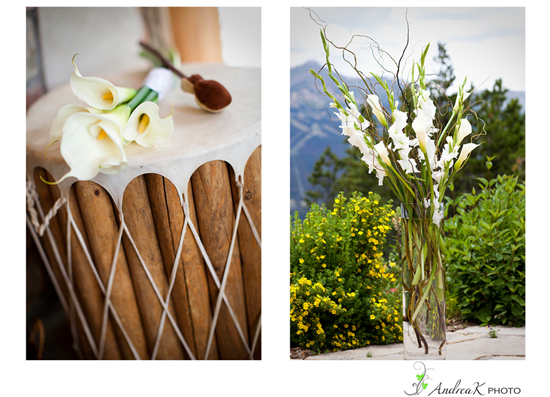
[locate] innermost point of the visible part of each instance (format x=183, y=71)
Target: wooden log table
x=163, y=260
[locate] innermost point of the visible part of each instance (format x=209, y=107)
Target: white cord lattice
x=73, y=308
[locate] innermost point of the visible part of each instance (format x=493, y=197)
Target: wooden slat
x=102, y=228
x=139, y=219
x=251, y=253
x=216, y=218
x=159, y=206
x=90, y=295
x=194, y=269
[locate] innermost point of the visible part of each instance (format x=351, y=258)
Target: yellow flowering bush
x=341, y=290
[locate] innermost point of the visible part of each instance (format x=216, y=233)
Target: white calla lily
x=374, y=103
x=466, y=149
x=56, y=129
x=97, y=92
x=464, y=130
x=92, y=143
x=146, y=128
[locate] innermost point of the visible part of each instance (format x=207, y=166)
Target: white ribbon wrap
x=159, y=80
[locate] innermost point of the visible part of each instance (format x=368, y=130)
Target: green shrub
x=340, y=294
x=486, y=252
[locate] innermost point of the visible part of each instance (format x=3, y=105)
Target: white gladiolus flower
x=466, y=149
x=400, y=119
x=425, y=104
x=430, y=152
x=464, y=130
x=92, y=143
x=438, y=214
x=437, y=175
x=408, y=165
x=358, y=140
x=421, y=125
x=346, y=124
x=374, y=103
x=396, y=133
x=97, y=92
x=382, y=152
x=402, y=143
x=353, y=128
x=371, y=160
x=146, y=128
x=448, y=155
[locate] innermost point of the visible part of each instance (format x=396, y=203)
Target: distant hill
x=313, y=127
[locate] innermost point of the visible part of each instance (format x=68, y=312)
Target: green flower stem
x=402, y=180
x=338, y=105
x=445, y=129
x=327, y=53
x=428, y=168
x=152, y=96
x=139, y=98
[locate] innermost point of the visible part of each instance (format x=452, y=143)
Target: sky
x=484, y=43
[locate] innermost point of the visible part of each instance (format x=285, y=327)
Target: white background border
x=275, y=374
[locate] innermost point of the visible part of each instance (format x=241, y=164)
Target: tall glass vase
x=424, y=331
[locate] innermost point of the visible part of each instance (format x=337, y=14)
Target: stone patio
x=470, y=343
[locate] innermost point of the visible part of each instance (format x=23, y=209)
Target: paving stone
x=471, y=343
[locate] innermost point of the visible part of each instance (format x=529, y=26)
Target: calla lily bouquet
x=93, y=138
x=418, y=161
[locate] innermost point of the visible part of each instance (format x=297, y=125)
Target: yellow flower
x=372, y=316
x=301, y=260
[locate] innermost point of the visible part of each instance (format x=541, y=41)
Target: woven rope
x=32, y=199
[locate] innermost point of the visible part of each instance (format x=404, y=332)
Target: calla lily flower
x=146, y=128
x=374, y=103
x=464, y=130
x=466, y=149
x=382, y=152
x=421, y=125
x=92, y=143
x=56, y=129
x=97, y=92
